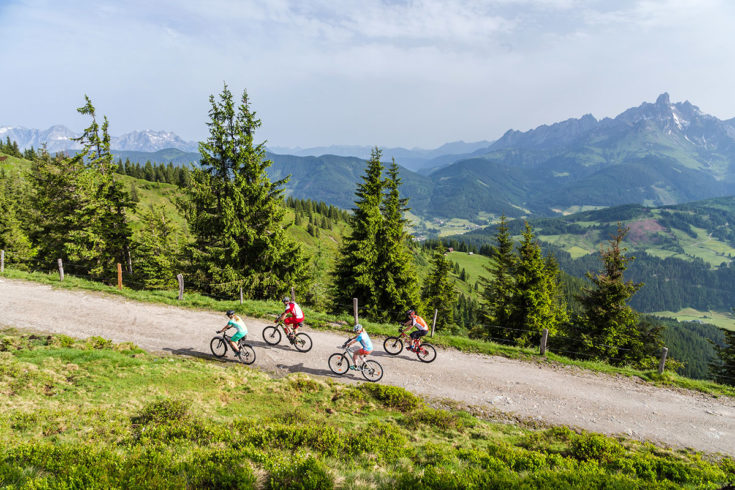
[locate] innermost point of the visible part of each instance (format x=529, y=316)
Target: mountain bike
x=394, y=346
x=272, y=335
x=340, y=363
x=221, y=343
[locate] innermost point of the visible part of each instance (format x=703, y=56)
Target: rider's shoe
x=354, y=368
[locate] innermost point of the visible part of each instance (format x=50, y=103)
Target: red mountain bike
x=394, y=346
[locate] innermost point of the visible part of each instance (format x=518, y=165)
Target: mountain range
x=655, y=154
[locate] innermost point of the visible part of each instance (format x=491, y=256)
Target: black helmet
x=230, y=312
x=408, y=313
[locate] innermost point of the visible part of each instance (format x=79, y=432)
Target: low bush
x=437, y=418
x=392, y=396
x=304, y=475
x=163, y=411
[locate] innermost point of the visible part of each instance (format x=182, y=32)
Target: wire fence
x=548, y=342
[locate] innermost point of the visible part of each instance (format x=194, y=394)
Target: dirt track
x=568, y=396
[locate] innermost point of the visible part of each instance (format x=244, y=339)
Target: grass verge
x=338, y=323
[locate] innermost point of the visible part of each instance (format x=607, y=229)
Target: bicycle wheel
x=339, y=364
x=302, y=342
x=372, y=370
x=426, y=353
x=393, y=345
x=218, y=346
x=247, y=354
x=271, y=335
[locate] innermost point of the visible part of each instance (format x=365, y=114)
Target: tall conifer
x=354, y=275
x=396, y=283
x=235, y=212
x=439, y=292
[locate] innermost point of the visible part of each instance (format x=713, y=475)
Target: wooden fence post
x=354, y=307
x=662, y=364
x=180, y=278
x=241, y=294
x=119, y=276
x=2, y=261
x=433, y=324
x=293, y=295
x=61, y=270
x=544, y=338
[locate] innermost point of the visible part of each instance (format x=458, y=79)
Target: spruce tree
x=81, y=209
x=354, y=275
x=439, y=292
x=15, y=220
x=499, y=289
x=723, y=368
x=536, y=302
x=235, y=212
x=396, y=283
x=607, y=328
x=157, y=249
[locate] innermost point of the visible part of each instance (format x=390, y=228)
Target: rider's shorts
x=293, y=321
x=417, y=334
x=237, y=336
x=363, y=352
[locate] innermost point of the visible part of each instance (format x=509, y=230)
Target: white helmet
x=357, y=328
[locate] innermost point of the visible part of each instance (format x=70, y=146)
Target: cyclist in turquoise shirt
x=366, y=345
x=237, y=323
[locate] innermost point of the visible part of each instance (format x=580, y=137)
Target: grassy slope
x=92, y=414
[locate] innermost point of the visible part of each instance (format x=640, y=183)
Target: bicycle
x=340, y=363
x=221, y=343
x=394, y=346
x=272, y=336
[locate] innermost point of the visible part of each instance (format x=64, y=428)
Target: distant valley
x=656, y=154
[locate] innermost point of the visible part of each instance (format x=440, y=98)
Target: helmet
x=230, y=312
x=286, y=299
x=410, y=312
x=357, y=328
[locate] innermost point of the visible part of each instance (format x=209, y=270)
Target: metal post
x=354, y=306
x=61, y=270
x=662, y=364
x=544, y=338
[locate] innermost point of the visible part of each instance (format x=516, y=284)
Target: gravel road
x=554, y=395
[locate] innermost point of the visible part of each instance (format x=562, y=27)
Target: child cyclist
x=421, y=328
x=365, y=348
x=235, y=322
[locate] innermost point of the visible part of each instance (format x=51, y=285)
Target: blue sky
x=367, y=72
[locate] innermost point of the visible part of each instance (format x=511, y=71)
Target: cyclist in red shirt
x=421, y=328
x=297, y=316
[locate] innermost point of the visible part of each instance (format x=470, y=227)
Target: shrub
x=163, y=411
x=441, y=419
x=307, y=474
x=393, y=396
x=594, y=447
x=98, y=342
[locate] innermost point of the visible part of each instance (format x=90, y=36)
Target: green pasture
x=721, y=319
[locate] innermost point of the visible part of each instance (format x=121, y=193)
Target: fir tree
x=396, y=284
x=536, y=301
x=81, y=209
x=235, y=212
x=607, y=328
x=157, y=248
x=354, y=275
x=439, y=292
x=499, y=289
x=15, y=221
x=723, y=368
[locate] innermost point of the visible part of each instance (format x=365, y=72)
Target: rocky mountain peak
x=663, y=99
